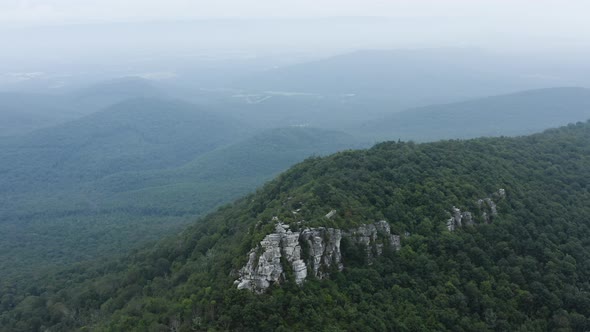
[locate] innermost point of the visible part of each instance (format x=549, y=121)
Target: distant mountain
x=342, y=91
x=488, y=234
x=136, y=135
x=411, y=77
x=106, y=93
x=513, y=114
x=22, y=112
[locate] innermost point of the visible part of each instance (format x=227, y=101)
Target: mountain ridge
x=518, y=113
x=526, y=269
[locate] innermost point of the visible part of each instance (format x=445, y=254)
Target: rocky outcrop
x=321, y=245
x=458, y=219
x=367, y=235
x=324, y=249
x=330, y=214
x=265, y=267
x=487, y=208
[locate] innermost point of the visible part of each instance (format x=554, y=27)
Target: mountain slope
x=527, y=268
x=50, y=212
x=22, y=113
x=513, y=114
x=108, y=216
x=139, y=134
x=219, y=176
x=106, y=93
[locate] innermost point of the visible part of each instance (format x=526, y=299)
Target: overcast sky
x=545, y=14
x=522, y=26
x=535, y=19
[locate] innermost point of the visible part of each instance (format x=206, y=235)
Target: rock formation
x=487, y=208
x=367, y=235
x=265, y=262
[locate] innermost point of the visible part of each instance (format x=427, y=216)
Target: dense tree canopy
x=528, y=270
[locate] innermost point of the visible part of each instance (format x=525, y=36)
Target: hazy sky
x=522, y=26
x=544, y=14
x=562, y=22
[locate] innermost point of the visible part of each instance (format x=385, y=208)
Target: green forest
x=527, y=270
x=130, y=175
x=109, y=178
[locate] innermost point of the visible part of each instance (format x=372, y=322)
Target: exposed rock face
x=487, y=208
x=468, y=218
x=458, y=219
x=455, y=220
x=367, y=235
x=330, y=214
x=490, y=206
x=324, y=249
x=265, y=267
x=259, y=272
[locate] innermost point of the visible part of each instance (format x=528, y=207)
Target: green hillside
x=139, y=134
x=50, y=212
x=24, y=112
x=61, y=224
x=525, y=269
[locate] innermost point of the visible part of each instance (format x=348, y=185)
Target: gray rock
x=368, y=236
x=467, y=218
x=492, y=206
x=456, y=219
x=331, y=214
x=487, y=208
x=265, y=268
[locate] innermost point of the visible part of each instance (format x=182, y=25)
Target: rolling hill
x=486, y=234
x=512, y=114
x=24, y=112
x=106, y=93
x=66, y=222
x=342, y=91
x=46, y=191
x=140, y=134
x=410, y=78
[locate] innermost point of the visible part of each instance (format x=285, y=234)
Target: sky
x=545, y=14
x=561, y=22
x=39, y=35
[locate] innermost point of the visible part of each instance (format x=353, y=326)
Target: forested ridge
x=58, y=205
x=117, y=177
x=528, y=270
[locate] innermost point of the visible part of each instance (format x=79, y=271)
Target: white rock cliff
x=265, y=262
